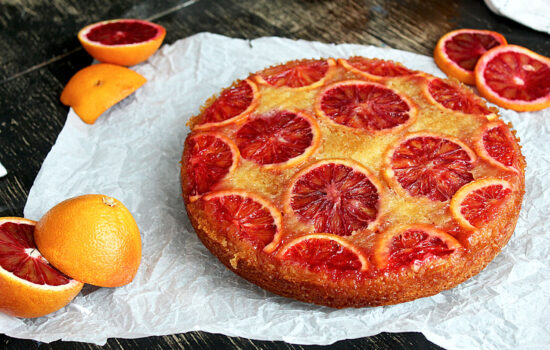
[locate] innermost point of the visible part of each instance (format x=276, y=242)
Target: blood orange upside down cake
x=351, y=182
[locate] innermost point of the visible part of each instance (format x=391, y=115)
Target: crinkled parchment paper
x=133, y=153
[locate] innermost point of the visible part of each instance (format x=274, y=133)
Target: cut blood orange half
x=514, y=77
x=495, y=143
x=478, y=203
x=413, y=246
x=454, y=97
x=323, y=252
x=245, y=216
x=29, y=285
x=278, y=139
x=233, y=104
x=365, y=106
x=457, y=52
x=122, y=41
x=336, y=196
x=301, y=74
x=374, y=68
x=429, y=165
x=208, y=158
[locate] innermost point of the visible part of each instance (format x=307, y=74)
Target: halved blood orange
x=300, y=74
x=122, y=41
x=495, y=143
x=323, y=252
x=336, y=196
x=29, y=285
x=514, y=77
x=457, y=52
x=233, y=104
x=374, y=68
x=413, y=246
x=279, y=138
x=478, y=202
x=429, y=165
x=246, y=216
x=208, y=158
x=365, y=106
x=452, y=96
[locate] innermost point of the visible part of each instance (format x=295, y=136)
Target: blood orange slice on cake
x=245, y=216
x=429, y=165
x=365, y=106
x=208, y=158
x=233, y=104
x=301, y=74
x=324, y=252
x=454, y=97
x=514, y=77
x=495, y=143
x=478, y=203
x=336, y=196
x=29, y=285
x=457, y=52
x=413, y=246
x=375, y=69
x=278, y=139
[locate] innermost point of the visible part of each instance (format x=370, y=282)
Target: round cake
x=351, y=182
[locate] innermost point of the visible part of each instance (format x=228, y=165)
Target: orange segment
x=301, y=74
x=495, y=143
x=457, y=52
x=125, y=42
x=323, y=252
x=29, y=285
x=452, y=96
x=477, y=203
x=413, y=246
x=94, y=89
x=514, y=77
x=278, y=139
x=245, y=216
x=92, y=238
x=374, y=68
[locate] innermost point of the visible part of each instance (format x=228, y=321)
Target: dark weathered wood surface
x=40, y=52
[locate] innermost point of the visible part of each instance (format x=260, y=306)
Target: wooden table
x=40, y=52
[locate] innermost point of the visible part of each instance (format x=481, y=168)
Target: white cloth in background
x=3, y=171
x=534, y=14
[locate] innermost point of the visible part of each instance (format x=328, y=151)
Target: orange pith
x=458, y=51
x=375, y=69
x=301, y=74
x=125, y=42
x=495, y=143
x=29, y=285
x=96, y=88
x=92, y=238
x=477, y=203
x=514, y=77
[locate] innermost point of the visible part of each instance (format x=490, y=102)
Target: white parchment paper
x=133, y=153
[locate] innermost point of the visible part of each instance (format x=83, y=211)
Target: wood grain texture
x=40, y=52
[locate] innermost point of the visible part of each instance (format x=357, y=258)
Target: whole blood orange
x=457, y=52
x=125, y=42
x=96, y=88
x=92, y=238
x=29, y=285
x=514, y=77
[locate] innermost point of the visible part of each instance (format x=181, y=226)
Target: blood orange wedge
x=478, y=202
x=301, y=74
x=457, y=52
x=514, y=77
x=245, y=216
x=233, y=104
x=454, y=97
x=29, y=285
x=336, y=196
x=413, y=246
x=122, y=41
x=322, y=252
x=375, y=69
x=278, y=139
x=495, y=143
x=365, y=106
x=207, y=159
x=430, y=165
